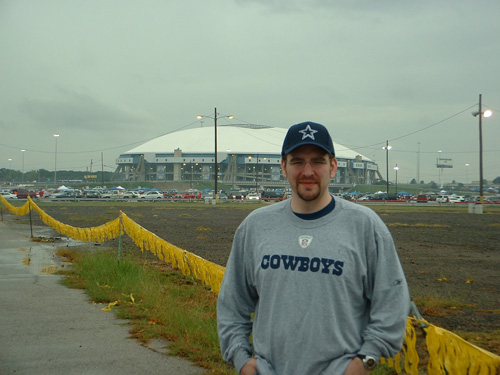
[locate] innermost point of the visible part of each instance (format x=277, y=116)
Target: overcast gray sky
x=109, y=75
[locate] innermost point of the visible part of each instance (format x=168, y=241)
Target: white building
x=246, y=155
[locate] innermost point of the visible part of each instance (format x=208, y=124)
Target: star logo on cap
x=308, y=133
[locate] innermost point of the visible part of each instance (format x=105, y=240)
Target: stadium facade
x=247, y=155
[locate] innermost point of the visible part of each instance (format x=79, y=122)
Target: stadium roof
x=235, y=139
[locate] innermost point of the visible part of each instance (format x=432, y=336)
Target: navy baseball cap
x=307, y=133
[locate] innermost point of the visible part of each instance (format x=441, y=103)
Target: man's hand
x=356, y=367
x=250, y=367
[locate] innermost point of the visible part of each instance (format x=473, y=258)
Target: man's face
x=308, y=170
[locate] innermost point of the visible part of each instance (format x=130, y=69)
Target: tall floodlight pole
x=396, y=168
x=22, y=169
x=55, y=160
x=10, y=170
x=216, y=172
x=387, y=148
x=216, y=165
x=481, y=114
x=418, y=164
x=440, y=170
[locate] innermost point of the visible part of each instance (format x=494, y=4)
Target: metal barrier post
x=120, y=240
x=31, y=222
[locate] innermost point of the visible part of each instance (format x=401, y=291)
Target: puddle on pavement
x=41, y=260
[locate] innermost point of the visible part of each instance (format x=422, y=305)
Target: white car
x=443, y=199
x=152, y=195
x=456, y=198
x=252, y=197
x=9, y=196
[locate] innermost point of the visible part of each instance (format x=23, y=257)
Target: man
x=321, y=276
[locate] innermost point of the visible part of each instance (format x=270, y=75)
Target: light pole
x=418, y=164
x=10, y=169
x=216, y=172
x=396, y=168
x=440, y=170
x=256, y=169
x=467, y=173
x=387, y=148
x=481, y=114
x=55, y=160
x=22, y=169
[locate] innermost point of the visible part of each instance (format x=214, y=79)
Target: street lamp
x=256, y=169
x=481, y=114
x=55, y=160
x=22, y=169
x=467, y=173
x=387, y=148
x=440, y=170
x=396, y=168
x=216, y=172
x=10, y=169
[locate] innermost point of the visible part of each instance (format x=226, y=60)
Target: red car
x=23, y=194
x=184, y=195
x=422, y=198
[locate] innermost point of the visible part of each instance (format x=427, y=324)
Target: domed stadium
x=247, y=155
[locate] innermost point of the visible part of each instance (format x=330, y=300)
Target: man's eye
x=302, y=163
x=319, y=162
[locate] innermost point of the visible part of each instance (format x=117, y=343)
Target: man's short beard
x=309, y=195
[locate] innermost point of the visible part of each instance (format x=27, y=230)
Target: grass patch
x=158, y=302
x=417, y=225
x=434, y=305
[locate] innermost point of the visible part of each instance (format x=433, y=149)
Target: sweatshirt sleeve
x=236, y=302
x=389, y=298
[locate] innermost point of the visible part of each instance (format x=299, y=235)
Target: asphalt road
x=47, y=328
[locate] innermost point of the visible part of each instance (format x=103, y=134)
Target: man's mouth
x=307, y=183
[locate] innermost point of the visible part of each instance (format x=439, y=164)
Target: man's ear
x=333, y=167
x=283, y=168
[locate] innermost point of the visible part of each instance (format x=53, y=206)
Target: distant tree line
x=45, y=176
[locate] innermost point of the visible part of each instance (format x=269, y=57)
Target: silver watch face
x=369, y=362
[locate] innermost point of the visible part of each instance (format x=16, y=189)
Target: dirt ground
x=449, y=256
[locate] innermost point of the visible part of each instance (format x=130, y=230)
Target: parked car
x=422, y=198
x=112, y=194
x=91, y=194
x=443, y=199
x=185, y=195
x=253, y=197
x=130, y=195
x=272, y=196
x=9, y=195
x=23, y=194
x=170, y=193
x=152, y=195
x=456, y=199
x=67, y=194
x=235, y=195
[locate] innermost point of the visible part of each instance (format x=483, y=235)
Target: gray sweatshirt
x=322, y=291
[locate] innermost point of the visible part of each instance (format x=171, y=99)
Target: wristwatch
x=368, y=361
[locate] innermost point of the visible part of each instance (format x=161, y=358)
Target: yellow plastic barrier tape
x=450, y=354
x=20, y=211
x=100, y=233
x=190, y=264
x=411, y=358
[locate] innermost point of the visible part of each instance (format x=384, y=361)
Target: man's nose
x=308, y=169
